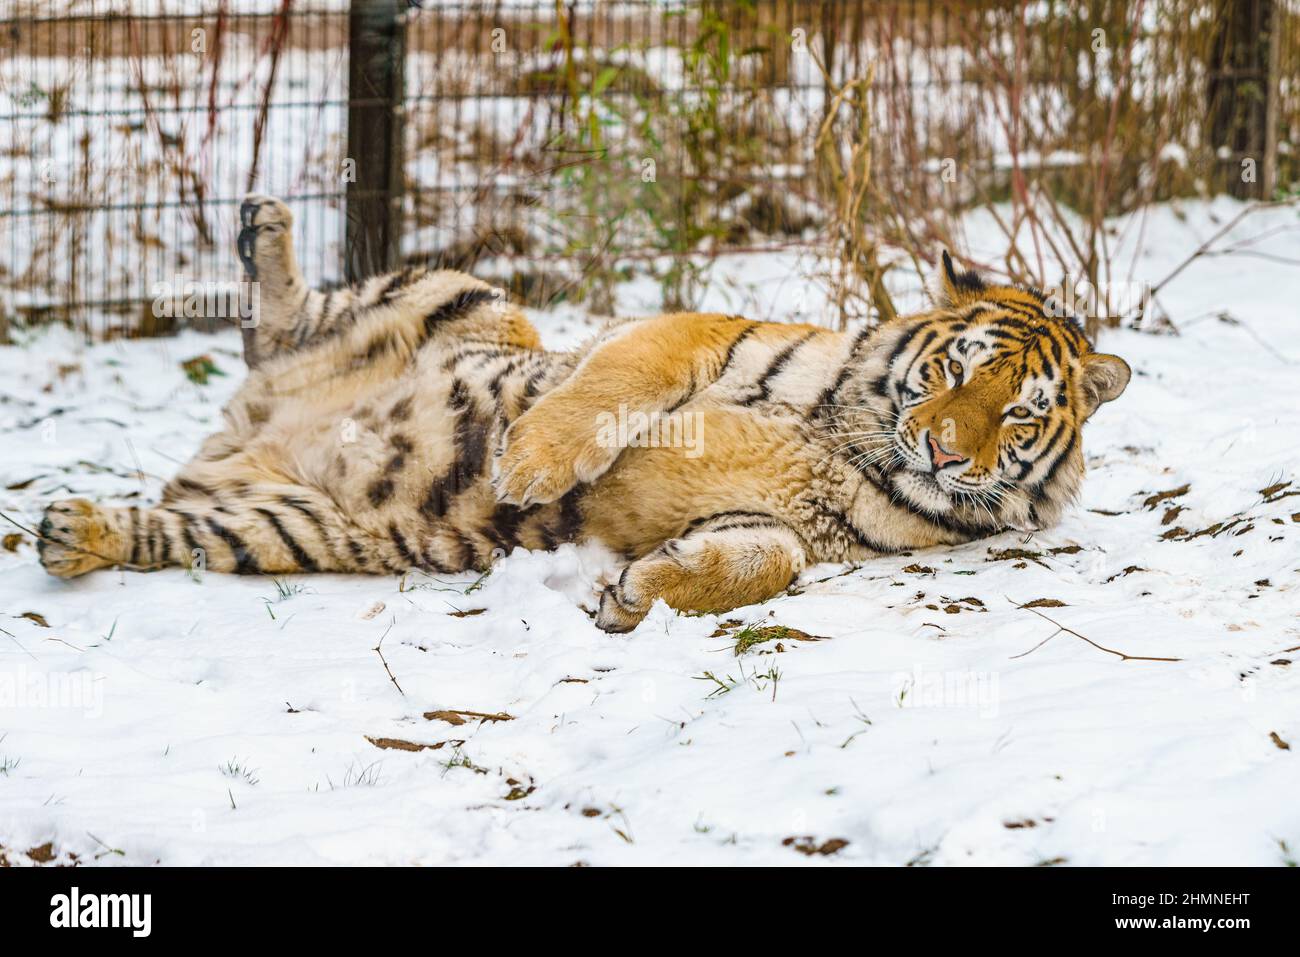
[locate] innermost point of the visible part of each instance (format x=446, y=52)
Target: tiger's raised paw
x=77, y=537
x=266, y=224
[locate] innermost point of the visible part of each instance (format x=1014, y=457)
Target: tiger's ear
x=1104, y=378
x=956, y=287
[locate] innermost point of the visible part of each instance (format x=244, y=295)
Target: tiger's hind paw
x=76, y=537
x=266, y=228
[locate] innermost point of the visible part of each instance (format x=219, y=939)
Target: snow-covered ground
x=156, y=718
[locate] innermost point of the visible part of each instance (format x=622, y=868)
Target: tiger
x=414, y=421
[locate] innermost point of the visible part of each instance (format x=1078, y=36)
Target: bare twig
x=1204, y=248
x=1070, y=631
x=379, y=650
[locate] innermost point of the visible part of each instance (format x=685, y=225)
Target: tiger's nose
x=939, y=456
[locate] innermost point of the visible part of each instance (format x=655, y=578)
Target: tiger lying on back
x=414, y=421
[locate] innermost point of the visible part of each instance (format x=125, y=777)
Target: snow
x=226, y=720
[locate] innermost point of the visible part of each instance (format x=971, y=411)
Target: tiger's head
x=983, y=402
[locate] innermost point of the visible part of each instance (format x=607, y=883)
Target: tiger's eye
x=1019, y=412
x=954, y=367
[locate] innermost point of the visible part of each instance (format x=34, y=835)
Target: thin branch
x=379, y=650
x=1070, y=631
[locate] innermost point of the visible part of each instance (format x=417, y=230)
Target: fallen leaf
x=36, y=617
x=1277, y=739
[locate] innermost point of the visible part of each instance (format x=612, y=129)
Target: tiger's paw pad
x=266, y=223
x=75, y=538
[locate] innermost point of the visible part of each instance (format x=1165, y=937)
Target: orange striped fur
x=414, y=421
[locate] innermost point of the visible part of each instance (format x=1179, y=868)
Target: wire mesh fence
x=560, y=147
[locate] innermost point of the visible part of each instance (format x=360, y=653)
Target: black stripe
x=245, y=563
x=503, y=531
x=358, y=553
x=925, y=344
x=400, y=541
x=753, y=523
x=1051, y=472
x=859, y=536
x=135, y=536
x=166, y=556
x=774, y=369
x=151, y=523
x=193, y=487
x=695, y=524
x=456, y=307
x=305, y=510
x=190, y=541
x=379, y=491
x=570, y=516
x=1051, y=443
x=305, y=561
x=903, y=342
x=396, y=283
x=731, y=349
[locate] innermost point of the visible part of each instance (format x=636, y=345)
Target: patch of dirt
x=463, y=717
x=1152, y=501
x=954, y=606
x=808, y=845
x=397, y=744
x=1127, y=571
x=1015, y=555
x=1278, y=491
x=748, y=637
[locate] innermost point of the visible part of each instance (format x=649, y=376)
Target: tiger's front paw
x=615, y=617
x=77, y=537
x=545, y=453
x=627, y=601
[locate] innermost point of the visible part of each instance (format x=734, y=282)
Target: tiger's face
x=988, y=395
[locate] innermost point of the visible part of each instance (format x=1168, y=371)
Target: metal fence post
x=1242, y=93
x=376, y=92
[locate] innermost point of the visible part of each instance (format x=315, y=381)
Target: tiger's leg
x=722, y=563
x=643, y=368
x=265, y=248
x=262, y=529
x=404, y=307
